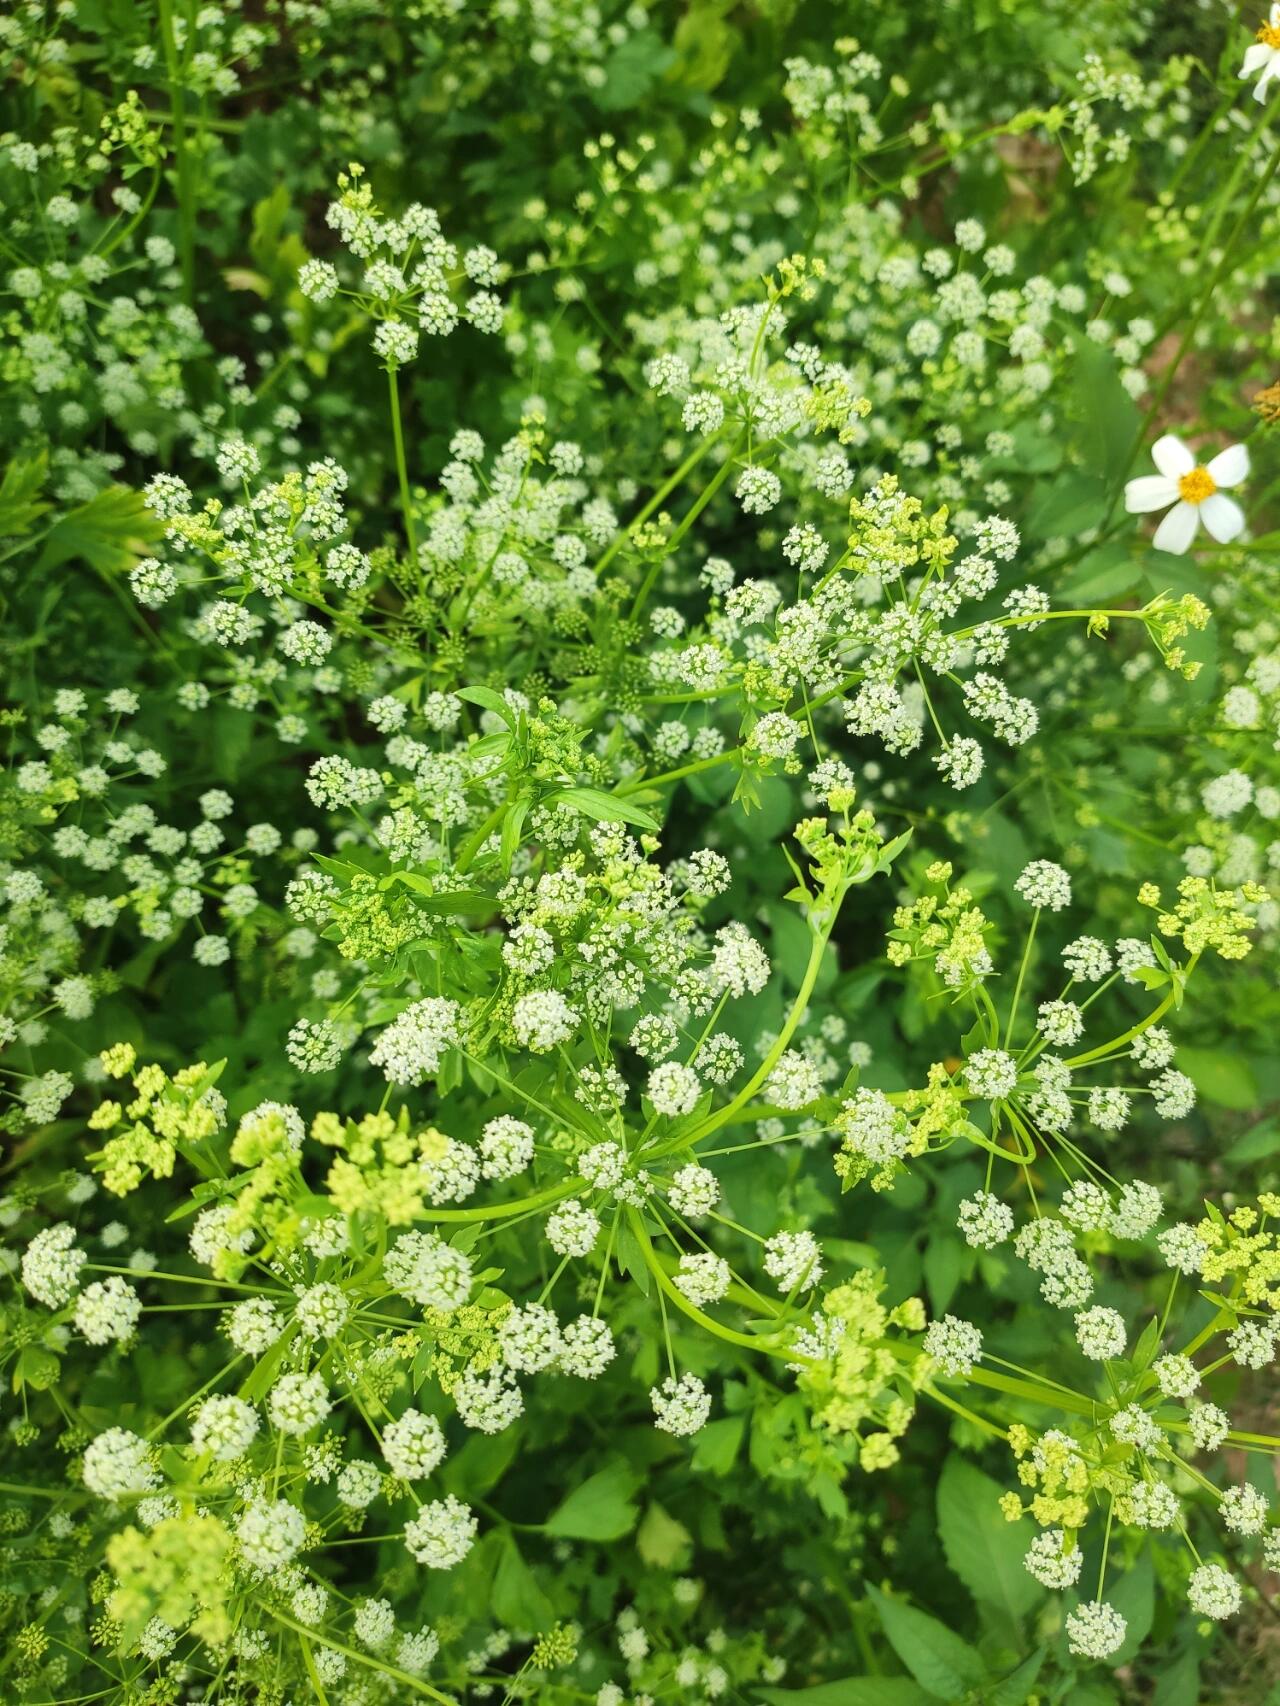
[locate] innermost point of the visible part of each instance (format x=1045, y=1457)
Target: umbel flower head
x=1262, y=59
x=1193, y=490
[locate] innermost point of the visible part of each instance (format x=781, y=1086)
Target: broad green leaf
x=851, y=1691
x=704, y=43
x=1257, y=1143
x=472, y=902
x=938, y=1659
x=36, y=1367
x=1147, y=1346
x=661, y=1541
x=1071, y=503
x=943, y=1262
x=476, y=1469
x=1104, y=416
x=602, y=1508
x=984, y=1550
x=631, y=70
x=278, y=252
x=604, y=808
x=517, y=1598
x=631, y=1257
x=1015, y=1689
x=488, y=700
x=1100, y=577
x=1132, y=1592
x=512, y=829
x=1179, y=1685
x=1221, y=1076
x=718, y=1444
x=20, y=501
x=111, y=533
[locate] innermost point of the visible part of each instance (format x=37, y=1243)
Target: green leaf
x=1221, y=1076
x=1071, y=504
x=20, y=502
x=1257, y=1143
x=850, y=1691
x=718, y=1444
x=939, y=1660
x=277, y=252
x=888, y=853
x=342, y=869
x=1101, y=576
x=36, y=1367
x=1133, y=1594
x=605, y=808
x=1016, y=1688
x=1179, y=1685
x=1147, y=1346
x=631, y=1257
x=600, y=1509
x=984, y=1550
x=704, y=43
x=476, y=1469
x=661, y=1541
x=1104, y=416
x=632, y=69
x=488, y=700
x=472, y=902
x=943, y=1260
x=516, y=1597
x=111, y=532
x=512, y=829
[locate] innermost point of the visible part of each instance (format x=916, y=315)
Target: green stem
x=1022, y=973
x=182, y=154
x=414, y=1683
x=637, y=783
x=695, y=509
x=402, y=469
x=729, y=1334
x=476, y=840
x=1153, y=1018
x=504, y=1210
x=713, y=1122
x=659, y=497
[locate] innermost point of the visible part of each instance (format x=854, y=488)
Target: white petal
x=1223, y=518
x=1230, y=466
x=1177, y=530
x=1151, y=491
x=1172, y=457
x=1255, y=58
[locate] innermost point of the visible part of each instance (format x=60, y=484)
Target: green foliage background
x=639, y=172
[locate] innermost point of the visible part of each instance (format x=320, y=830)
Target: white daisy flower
x=1193, y=490
x=1264, y=56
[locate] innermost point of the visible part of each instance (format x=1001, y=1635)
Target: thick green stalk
x=668, y=1286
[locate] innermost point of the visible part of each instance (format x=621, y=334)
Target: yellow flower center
x=1195, y=487
x=1270, y=33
